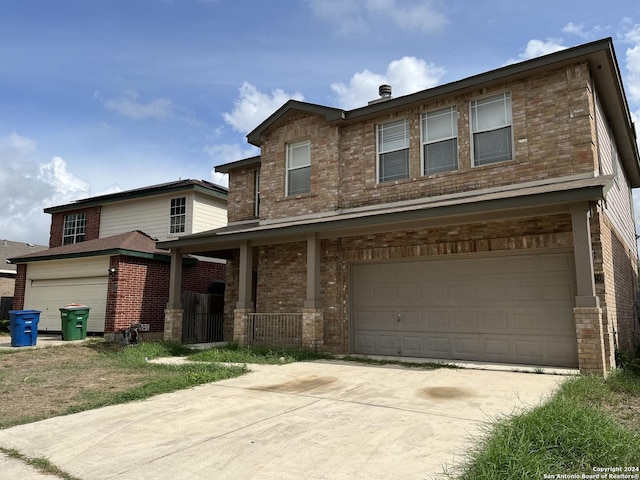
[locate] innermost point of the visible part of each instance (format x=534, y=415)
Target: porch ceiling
x=519, y=201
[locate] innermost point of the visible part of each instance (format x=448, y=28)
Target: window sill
x=297, y=197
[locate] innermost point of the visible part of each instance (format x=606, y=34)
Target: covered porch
x=304, y=323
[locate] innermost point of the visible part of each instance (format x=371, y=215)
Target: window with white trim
x=393, y=151
x=440, y=141
x=298, y=168
x=491, y=127
x=74, y=229
x=256, y=193
x=178, y=215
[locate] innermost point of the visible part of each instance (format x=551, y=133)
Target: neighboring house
x=103, y=254
x=8, y=271
x=488, y=219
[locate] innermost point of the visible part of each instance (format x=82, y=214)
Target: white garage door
x=54, y=284
x=510, y=309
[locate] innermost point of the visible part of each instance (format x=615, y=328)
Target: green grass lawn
x=589, y=423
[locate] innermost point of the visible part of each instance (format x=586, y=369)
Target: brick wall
x=139, y=290
x=57, y=225
x=325, y=140
x=553, y=127
x=19, y=292
x=281, y=269
x=241, y=199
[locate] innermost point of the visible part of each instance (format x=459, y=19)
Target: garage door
x=51, y=285
x=510, y=309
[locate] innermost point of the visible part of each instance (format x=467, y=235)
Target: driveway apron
x=313, y=420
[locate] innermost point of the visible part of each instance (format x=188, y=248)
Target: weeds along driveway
x=314, y=420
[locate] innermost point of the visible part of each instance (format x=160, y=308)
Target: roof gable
x=201, y=186
x=136, y=243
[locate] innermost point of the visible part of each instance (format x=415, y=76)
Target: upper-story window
x=178, y=215
x=298, y=168
x=440, y=141
x=491, y=128
x=256, y=193
x=393, y=151
x=75, y=227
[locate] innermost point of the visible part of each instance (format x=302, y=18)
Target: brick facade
x=19, y=292
x=554, y=137
x=138, y=292
x=552, y=127
x=57, y=225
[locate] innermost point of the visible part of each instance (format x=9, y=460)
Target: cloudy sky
x=99, y=96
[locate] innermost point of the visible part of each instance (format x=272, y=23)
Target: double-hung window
x=491, y=128
x=393, y=151
x=440, y=141
x=298, y=168
x=178, y=215
x=75, y=227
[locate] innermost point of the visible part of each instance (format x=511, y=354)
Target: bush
x=4, y=326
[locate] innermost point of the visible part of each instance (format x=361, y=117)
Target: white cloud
x=573, y=29
x=129, y=106
x=226, y=153
x=407, y=75
x=537, y=48
x=253, y=107
x=28, y=187
x=632, y=55
x=363, y=16
x=66, y=186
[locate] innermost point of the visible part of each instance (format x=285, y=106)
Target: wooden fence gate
x=203, y=317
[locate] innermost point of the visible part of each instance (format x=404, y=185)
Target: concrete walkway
x=312, y=420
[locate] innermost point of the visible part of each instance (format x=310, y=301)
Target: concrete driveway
x=313, y=420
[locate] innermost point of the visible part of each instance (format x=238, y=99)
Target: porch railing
x=274, y=329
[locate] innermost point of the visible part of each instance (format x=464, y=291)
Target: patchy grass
x=40, y=383
x=588, y=423
x=400, y=363
x=41, y=464
x=232, y=353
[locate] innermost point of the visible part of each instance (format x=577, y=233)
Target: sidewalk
x=43, y=340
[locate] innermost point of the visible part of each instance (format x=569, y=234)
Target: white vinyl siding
x=619, y=204
x=208, y=214
x=149, y=215
x=53, y=284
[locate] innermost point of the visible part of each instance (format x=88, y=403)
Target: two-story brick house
x=102, y=253
x=488, y=219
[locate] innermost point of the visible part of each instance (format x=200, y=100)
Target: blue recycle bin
x=23, y=327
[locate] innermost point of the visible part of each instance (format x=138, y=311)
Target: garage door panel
x=467, y=347
x=439, y=346
x=50, y=295
x=438, y=320
x=412, y=345
x=511, y=308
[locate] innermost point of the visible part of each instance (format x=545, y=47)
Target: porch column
x=587, y=312
x=313, y=272
x=245, y=283
x=173, y=313
x=583, y=255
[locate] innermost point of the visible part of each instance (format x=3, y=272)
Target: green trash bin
x=74, y=321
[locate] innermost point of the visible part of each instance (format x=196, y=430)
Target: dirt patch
x=300, y=385
x=39, y=383
x=445, y=393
